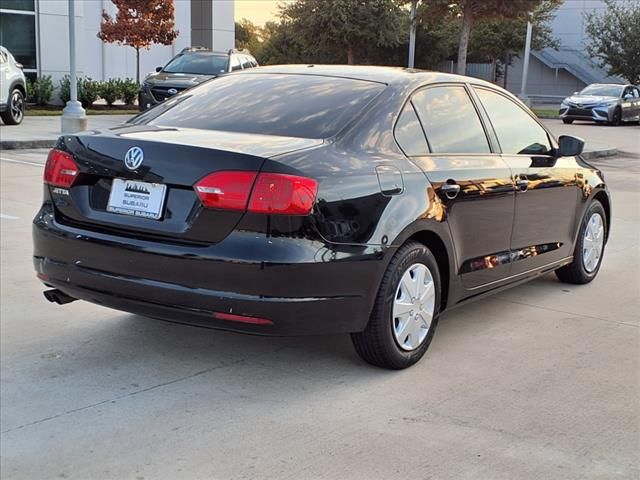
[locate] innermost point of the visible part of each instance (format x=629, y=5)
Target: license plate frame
x=137, y=198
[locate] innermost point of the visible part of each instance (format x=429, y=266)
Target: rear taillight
x=271, y=193
x=226, y=190
x=61, y=170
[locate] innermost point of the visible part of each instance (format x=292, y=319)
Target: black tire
x=567, y=120
x=14, y=113
x=377, y=344
x=617, y=117
x=576, y=272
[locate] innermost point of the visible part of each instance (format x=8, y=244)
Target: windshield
x=199, y=64
x=306, y=106
x=603, y=90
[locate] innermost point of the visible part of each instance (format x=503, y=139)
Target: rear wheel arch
x=438, y=248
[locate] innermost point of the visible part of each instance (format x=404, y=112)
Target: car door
x=626, y=104
x=547, y=192
x=630, y=103
x=472, y=181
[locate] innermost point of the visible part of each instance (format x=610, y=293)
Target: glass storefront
x=18, y=31
x=27, y=5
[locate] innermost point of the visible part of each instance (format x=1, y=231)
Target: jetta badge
x=133, y=158
x=172, y=91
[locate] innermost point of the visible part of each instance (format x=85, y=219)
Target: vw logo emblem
x=172, y=91
x=133, y=158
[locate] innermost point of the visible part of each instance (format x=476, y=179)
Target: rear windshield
x=272, y=104
x=198, y=63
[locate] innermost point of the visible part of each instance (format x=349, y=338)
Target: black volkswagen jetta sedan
x=311, y=199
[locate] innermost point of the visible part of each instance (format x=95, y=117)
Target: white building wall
x=94, y=58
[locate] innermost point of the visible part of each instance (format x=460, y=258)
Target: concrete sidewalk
x=42, y=132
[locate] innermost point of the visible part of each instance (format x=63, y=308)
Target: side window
x=409, y=134
x=246, y=62
x=517, y=132
x=235, y=63
x=450, y=120
x=2, y=57
x=254, y=63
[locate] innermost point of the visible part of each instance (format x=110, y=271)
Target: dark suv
x=189, y=68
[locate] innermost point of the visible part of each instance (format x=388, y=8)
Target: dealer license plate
x=140, y=199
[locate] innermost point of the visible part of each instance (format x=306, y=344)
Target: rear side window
x=246, y=62
x=305, y=106
x=517, y=132
x=450, y=120
x=409, y=134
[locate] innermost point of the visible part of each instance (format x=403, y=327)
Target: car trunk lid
x=174, y=160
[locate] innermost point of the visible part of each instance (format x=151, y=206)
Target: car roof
x=370, y=73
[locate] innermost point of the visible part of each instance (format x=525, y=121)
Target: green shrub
x=130, y=90
x=88, y=90
x=40, y=90
x=111, y=90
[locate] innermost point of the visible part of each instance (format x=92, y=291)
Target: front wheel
x=617, y=117
x=589, y=250
x=405, y=314
x=15, y=109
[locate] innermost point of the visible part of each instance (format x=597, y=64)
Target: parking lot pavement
x=43, y=131
x=541, y=381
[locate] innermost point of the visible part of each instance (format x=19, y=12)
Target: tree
x=139, y=24
x=248, y=36
x=344, y=27
x=498, y=41
x=615, y=39
x=475, y=11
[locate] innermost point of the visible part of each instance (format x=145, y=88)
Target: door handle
x=450, y=190
x=522, y=184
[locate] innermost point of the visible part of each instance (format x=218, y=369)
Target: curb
x=606, y=152
x=26, y=144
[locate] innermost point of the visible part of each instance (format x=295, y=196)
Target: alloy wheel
x=413, y=307
x=17, y=107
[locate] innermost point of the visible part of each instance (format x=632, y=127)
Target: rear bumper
x=308, y=294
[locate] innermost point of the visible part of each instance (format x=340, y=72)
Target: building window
x=27, y=5
x=18, y=31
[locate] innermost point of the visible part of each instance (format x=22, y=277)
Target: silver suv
x=603, y=103
x=13, y=89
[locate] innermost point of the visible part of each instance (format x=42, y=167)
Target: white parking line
x=4, y=216
x=24, y=162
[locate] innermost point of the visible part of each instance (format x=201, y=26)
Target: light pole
x=525, y=67
x=412, y=34
x=74, y=118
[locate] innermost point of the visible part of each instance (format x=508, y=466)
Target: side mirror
x=158, y=69
x=576, y=93
x=569, y=146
